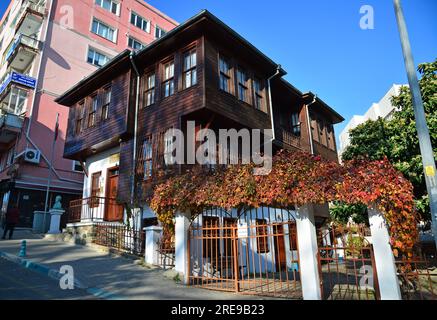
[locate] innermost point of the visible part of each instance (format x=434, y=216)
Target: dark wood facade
x=244, y=103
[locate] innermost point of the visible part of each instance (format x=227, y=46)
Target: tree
x=397, y=138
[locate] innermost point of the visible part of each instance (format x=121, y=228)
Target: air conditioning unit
x=32, y=155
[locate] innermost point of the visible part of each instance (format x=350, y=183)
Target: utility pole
x=419, y=113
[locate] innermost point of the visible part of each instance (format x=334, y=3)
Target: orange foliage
x=296, y=178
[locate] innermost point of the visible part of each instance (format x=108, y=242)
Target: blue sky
x=320, y=44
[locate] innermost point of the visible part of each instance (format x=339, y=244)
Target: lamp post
x=426, y=150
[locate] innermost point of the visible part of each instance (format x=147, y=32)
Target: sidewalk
x=113, y=274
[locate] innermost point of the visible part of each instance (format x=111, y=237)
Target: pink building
x=47, y=46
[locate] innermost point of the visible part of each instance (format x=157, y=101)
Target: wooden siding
x=228, y=104
x=77, y=146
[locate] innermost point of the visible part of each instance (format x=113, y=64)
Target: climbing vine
x=296, y=179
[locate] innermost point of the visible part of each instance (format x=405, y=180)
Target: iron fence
x=120, y=237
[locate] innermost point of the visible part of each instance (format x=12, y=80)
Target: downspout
x=310, y=133
x=278, y=71
x=137, y=103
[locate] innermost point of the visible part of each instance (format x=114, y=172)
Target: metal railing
x=418, y=278
x=119, y=237
x=92, y=209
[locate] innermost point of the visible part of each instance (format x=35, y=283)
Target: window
x=149, y=89
x=109, y=5
x=242, y=85
x=95, y=189
x=147, y=157
x=80, y=117
x=168, y=83
x=225, y=75
x=258, y=92
x=96, y=58
x=93, y=111
x=262, y=244
x=77, y=166
x=139, y=22
x=190, y=72
x=106, y=101
x=295, y=124
x=159, y=32
x=134, y=44
x=17, y=101
x=292, y=236
x=103, y=30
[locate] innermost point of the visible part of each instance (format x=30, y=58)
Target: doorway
x=113, y=211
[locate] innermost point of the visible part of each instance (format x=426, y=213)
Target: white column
x=153, y=234
x=307, y=243
x=384, y=259
x=181, y=243
x=55, y=220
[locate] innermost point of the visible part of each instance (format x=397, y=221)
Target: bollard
x=22, y=249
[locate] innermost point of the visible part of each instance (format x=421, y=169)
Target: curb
x=56, y=275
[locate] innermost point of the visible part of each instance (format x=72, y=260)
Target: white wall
x=100, y=162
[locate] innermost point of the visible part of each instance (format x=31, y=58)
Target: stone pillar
x=181, y=244
x=38, y=220
x=308, y=251
x=153, y=234
x=384, y=259
x=55, y=220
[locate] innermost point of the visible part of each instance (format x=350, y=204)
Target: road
x=19, y=283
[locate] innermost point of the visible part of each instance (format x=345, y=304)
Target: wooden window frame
x=147, y=175
x=92, y=112
x=244, y=85
x=95, y=190
x=80, y=119
x=295, y=124
x=292, y=237
x=225, y=74
x=262, y=236
x=191, y=70
x=149, y=90
x=169, y=80
x=258, y=94
x=104, y=114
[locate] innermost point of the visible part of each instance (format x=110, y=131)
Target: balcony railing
x=25, y=41
x=11, y=121
x=17, y=78
x=94, y=209
x=288, y=137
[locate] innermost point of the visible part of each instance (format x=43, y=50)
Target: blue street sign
x=18, y=78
